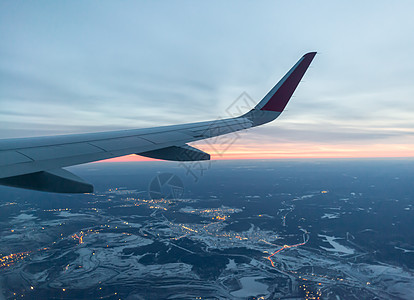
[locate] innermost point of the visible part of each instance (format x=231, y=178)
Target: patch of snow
x=250, y=287
x=24, y=217
x=231, y=265
x=404, y=250
x=338, y=248
x=66, y=214
x=330, y=216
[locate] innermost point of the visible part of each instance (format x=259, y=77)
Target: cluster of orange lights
x=220, y=218
x=81, y=235
x=9, y=260
x=309, y=295
x=78, y=237
x=188, y=228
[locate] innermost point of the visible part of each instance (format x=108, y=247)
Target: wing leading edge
x=36, y=163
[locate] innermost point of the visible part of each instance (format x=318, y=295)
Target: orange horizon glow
x=293, y=151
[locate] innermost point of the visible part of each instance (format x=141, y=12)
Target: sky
x=87, y=66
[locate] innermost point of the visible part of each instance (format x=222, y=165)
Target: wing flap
x=177, y=153
x=56, y=181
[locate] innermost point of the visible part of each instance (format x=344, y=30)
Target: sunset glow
x=295, y=151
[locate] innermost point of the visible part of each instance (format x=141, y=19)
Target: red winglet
x=279, y=96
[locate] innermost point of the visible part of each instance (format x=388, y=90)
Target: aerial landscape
x=339, y=234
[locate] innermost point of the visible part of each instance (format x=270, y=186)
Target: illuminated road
x=305, y=240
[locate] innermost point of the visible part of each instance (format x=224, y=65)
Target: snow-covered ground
x=251, y=287
x=336, y=247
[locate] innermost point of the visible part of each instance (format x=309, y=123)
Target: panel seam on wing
x=25, y=155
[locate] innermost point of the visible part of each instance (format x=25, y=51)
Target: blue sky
x=84, y=66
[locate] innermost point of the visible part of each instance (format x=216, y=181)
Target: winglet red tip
x=279, y=96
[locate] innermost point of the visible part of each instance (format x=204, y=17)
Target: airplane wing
x=37, y=163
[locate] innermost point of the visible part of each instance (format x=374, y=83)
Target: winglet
x=281, y=93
